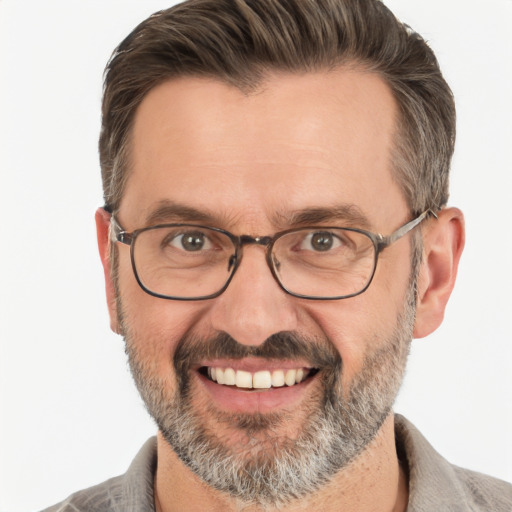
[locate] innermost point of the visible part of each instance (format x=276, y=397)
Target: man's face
x=313, y=149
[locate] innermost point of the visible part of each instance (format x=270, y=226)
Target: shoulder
x=131, y=492
x=98, y=498
x=435, y=484
x=485, y=492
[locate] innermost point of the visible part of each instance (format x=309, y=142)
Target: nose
x=253, y=307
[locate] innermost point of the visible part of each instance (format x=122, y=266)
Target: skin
x=318, y=140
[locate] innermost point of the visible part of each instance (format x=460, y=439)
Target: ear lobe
x=102, y=218
x=443, y=242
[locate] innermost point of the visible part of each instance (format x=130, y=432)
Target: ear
x=103, y=234
x=443, y=242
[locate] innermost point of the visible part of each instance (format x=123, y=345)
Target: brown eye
x=193, y=241
x=190, y=241
x=322, y=241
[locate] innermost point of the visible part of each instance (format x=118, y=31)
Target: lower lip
x=233, y=399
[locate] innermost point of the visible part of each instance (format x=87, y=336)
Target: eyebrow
x=345, y=215
x=169, y=211
x=349, y=215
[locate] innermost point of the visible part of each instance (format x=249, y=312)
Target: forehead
x=317, y=140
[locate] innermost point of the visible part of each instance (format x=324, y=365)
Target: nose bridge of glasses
x=264, y=241
x=258, y=240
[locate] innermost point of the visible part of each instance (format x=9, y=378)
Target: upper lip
x=255, y=364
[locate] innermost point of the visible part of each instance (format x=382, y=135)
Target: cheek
x=353, y=330
x=154, y=326
x=361, y=325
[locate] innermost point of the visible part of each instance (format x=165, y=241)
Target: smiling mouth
x=263, y=379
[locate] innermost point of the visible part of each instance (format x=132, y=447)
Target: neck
x=374, y=481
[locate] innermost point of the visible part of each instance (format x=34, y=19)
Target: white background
x=70, y=416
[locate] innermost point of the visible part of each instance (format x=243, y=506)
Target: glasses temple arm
x=384, y=241
x=117, y=233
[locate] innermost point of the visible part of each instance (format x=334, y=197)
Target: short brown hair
x=239, y=41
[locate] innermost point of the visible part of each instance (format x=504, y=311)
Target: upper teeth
x=260, y=380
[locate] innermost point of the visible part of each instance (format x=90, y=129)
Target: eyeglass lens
x=192, y=262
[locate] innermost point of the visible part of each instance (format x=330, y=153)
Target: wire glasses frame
x=377, y=243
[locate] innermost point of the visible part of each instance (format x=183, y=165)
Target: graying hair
x=241, y=41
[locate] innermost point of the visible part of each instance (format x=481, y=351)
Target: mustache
x=320, y=353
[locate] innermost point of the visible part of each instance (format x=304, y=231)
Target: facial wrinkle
x=262, y=466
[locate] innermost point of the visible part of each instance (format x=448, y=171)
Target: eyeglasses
x=193, y=262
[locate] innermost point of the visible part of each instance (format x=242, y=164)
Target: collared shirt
x=435, y=485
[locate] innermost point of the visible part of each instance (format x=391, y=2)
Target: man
x=275, y=233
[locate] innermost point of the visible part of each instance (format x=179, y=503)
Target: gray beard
x=263, y=467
